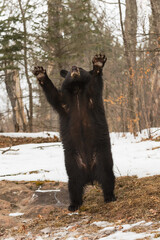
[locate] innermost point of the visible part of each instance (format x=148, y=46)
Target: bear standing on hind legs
x=83, y=128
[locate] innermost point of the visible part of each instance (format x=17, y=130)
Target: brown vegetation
x=13, y=141
x=137, y=199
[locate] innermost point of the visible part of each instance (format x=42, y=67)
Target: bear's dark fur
x=83, y=128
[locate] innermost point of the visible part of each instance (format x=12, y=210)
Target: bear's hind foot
x=73, y=208
x=110, y=198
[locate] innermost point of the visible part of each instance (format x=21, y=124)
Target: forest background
x=57, y=34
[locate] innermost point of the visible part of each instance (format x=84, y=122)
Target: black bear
x=83, y=128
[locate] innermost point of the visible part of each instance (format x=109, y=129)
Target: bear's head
x=76, y=77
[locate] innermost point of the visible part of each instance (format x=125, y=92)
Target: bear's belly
x=82, y=128
x=82, y=136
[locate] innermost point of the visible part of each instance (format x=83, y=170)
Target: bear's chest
x=81, y=111
x=81, y=117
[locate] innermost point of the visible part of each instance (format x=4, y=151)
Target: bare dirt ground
x=45, y=212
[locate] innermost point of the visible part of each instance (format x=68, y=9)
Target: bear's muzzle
x=75, y=72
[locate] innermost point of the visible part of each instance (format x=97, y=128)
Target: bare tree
x=129, y=40
x=154, y=45
x=20, y=113
x=10, y=87
x=14, y=92
x=10, y=55
x=23, y=11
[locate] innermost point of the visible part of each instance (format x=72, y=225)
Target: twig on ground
x=9, y=149
x=41, y=147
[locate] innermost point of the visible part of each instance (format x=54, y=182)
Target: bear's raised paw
x=40, y=73
x=99, y=61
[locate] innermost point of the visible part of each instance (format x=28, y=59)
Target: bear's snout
x=75, y=72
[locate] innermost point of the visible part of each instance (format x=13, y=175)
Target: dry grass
x=137, y=199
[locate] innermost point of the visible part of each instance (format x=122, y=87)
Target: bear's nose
x=74, y=69
x=75, y=72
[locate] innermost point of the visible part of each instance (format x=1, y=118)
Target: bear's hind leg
x=75, y=187
x=108, y=181
x=105, y=175
x=77, y=179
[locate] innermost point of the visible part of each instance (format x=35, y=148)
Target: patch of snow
x=10, y=238
x=102, y=224
x=148, y=223
x=129, y=226
x=73, y=238
x=45, y=161
x=108, y=229
x=123, y=234
x=39, y=238
x=126, y=236
x=74, y=213
x=46, y=230
x=17, y=214
x=50, y=190
x=33, y=164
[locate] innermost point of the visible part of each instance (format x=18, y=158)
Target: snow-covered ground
x=45, y=161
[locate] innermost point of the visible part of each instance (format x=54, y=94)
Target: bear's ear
x=63, y=73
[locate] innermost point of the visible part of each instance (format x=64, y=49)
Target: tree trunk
x=14, y=92
x=30, y=112
x=54, y=34
x=55, y=50
x=129, y=40
x=154, y=45
x=20, y=114
x=10, y=88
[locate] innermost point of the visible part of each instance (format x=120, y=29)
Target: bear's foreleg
x=52, y=94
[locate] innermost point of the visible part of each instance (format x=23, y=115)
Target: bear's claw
x=99, y=61
x=39, y=72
